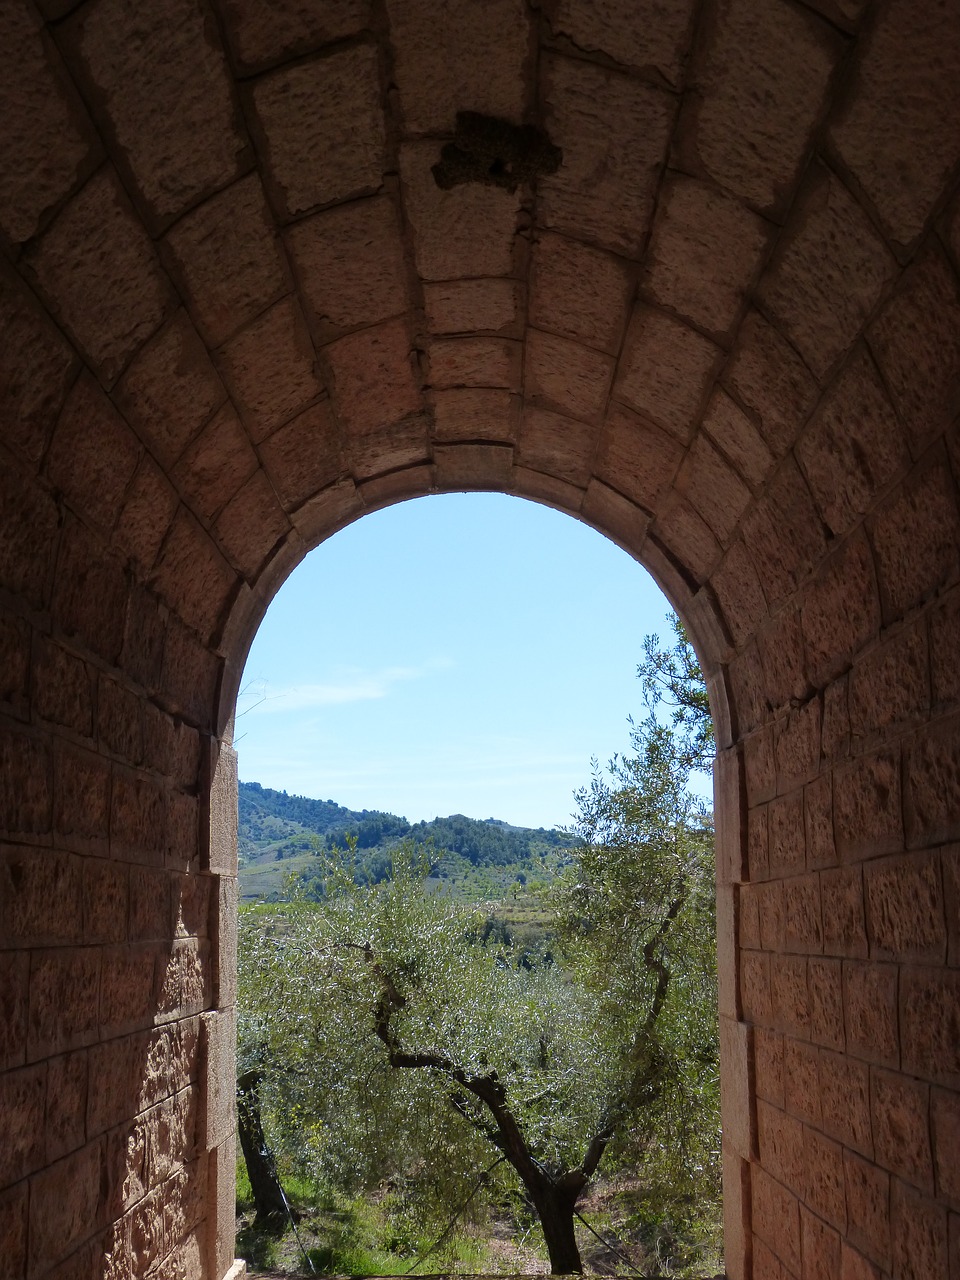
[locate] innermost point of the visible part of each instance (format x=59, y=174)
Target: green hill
x=280, y=835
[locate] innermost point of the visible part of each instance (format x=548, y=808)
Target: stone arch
x=236, y=309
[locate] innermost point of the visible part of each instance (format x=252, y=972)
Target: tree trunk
x=555, y=1207
x=267, y=1192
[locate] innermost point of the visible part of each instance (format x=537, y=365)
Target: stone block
x=640, y=36
x=789, y=996
x=916, y=341
x=465, y=306
x=890, y=685
x=739, y=593
x=929, y=1018
x=221, y=858
x=835, y=731
x=218, y=1041
x=226, y=257
x=781, y=1146
x=748, y=897
x=65, y=1120
x=758, y=53
x=868, y=1207
x=149, y=890
x=64, y=997
x=271, y=365
x=13, y=1228
x=376, y=453
x=485, y=413
x=409, y=482
x=137, y=819
x=476, y=362
x=119, y=721
x=748, y=689
x=225, y=891
x=162, y=89
x=65, y=687
x=736, y=435
x=845, y=1102
x=304, y=456
x=567, y=376
x=825, y=979
x=182, y=846
x=821, y=1247
x=760, y=766
x=41, y=898
x=854, y=1266
x=919, y=1229
x=458, y=56
x=472, y=466
x=755, y=988
x=22, y=1095
x=770, y=380
x=736, y=1087
x=905, y=908
x=81, y=801
x=765, y=1263
x=787, y=846
x=190, y=675
x=636, y=458
x=46, y=138
x=99, y=269
x=147, y=514
x=24, y=784
x=828, y=274
x=105, y=895
x=771, y=899
x=783, y=534
x=291, y=27
x=758, y=843
x=841, y=610
x=580, y=292
x=374, y=383
x=688, y=537
x=932, y=784
x=251, y=525
x=171, y=389
x=218, y=462
x=824, y=1173
x=915, y=536
x=801, y=1079
x=14, y=991
x=90, y=594
x=64, y=1206
x=36, y=369
x=192, y=576
x=944, y=623
x=29, y=546
x=853, y=447
x=705, y=252
x=873, y=1031
x=350, y=264
x=904, y=176
x=945, y=1127
x=797, y=745
x=776, y=1217
x=605, y=188
x=768, y=1059
x=665, y=371
x=818, y=822
x=182, y=979
x=613, y=514
x=713, y=487
x=900, y=1110
x=802, y=929
x=468, y=230
x=322, y=128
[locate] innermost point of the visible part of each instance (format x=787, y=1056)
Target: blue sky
x=466, y=653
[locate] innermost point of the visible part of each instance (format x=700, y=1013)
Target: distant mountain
x=281, y=834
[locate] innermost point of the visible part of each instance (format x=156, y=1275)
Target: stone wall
x=237, y=312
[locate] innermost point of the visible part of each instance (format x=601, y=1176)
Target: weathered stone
x=901, y=1126
x=665, y=371
x=475, y=362
x=870, y=1011
x=214, y=467
x=868, y=1207
x=845, y=1100
x=251, y=524
x=735, y=434
x=93, y=454
x=919, y=1230
x=567, y=376
x=98, y=267
x=463, y=306
x=638, y=35
x=373, y=378
x=303, y=456
x=604, y=189
x=929, y=1019
x=841, y=611
x=324, y=129
x=478, y=413
x=580, y=292
x=768, y=378
x=192, y=576
x=713, y=488
x=783, y=534
x=261, y=37
x=159, y=80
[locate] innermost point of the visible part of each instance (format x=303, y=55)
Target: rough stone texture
x=217, y=463
x=44, y=143
x=644, y=35
x=93, y=454
x=225, y=254
x=160, y=82
x=566, y=376
x=762, y=83
x=604, y=190
x=479, y=362
x=459, y=56
x=301, y=458
x=462, y=306
x=373, y=379
x=323, y=127
x=579, y=292
x=98, y=267
x=476, y=413
x=665, y=371
x=350, y=264
x=906, y=78
x=260, y=37
x=768, y=378
x=704, y=253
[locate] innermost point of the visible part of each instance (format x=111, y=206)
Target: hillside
x=280, y=835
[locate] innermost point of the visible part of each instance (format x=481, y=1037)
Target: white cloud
x=347, y=686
